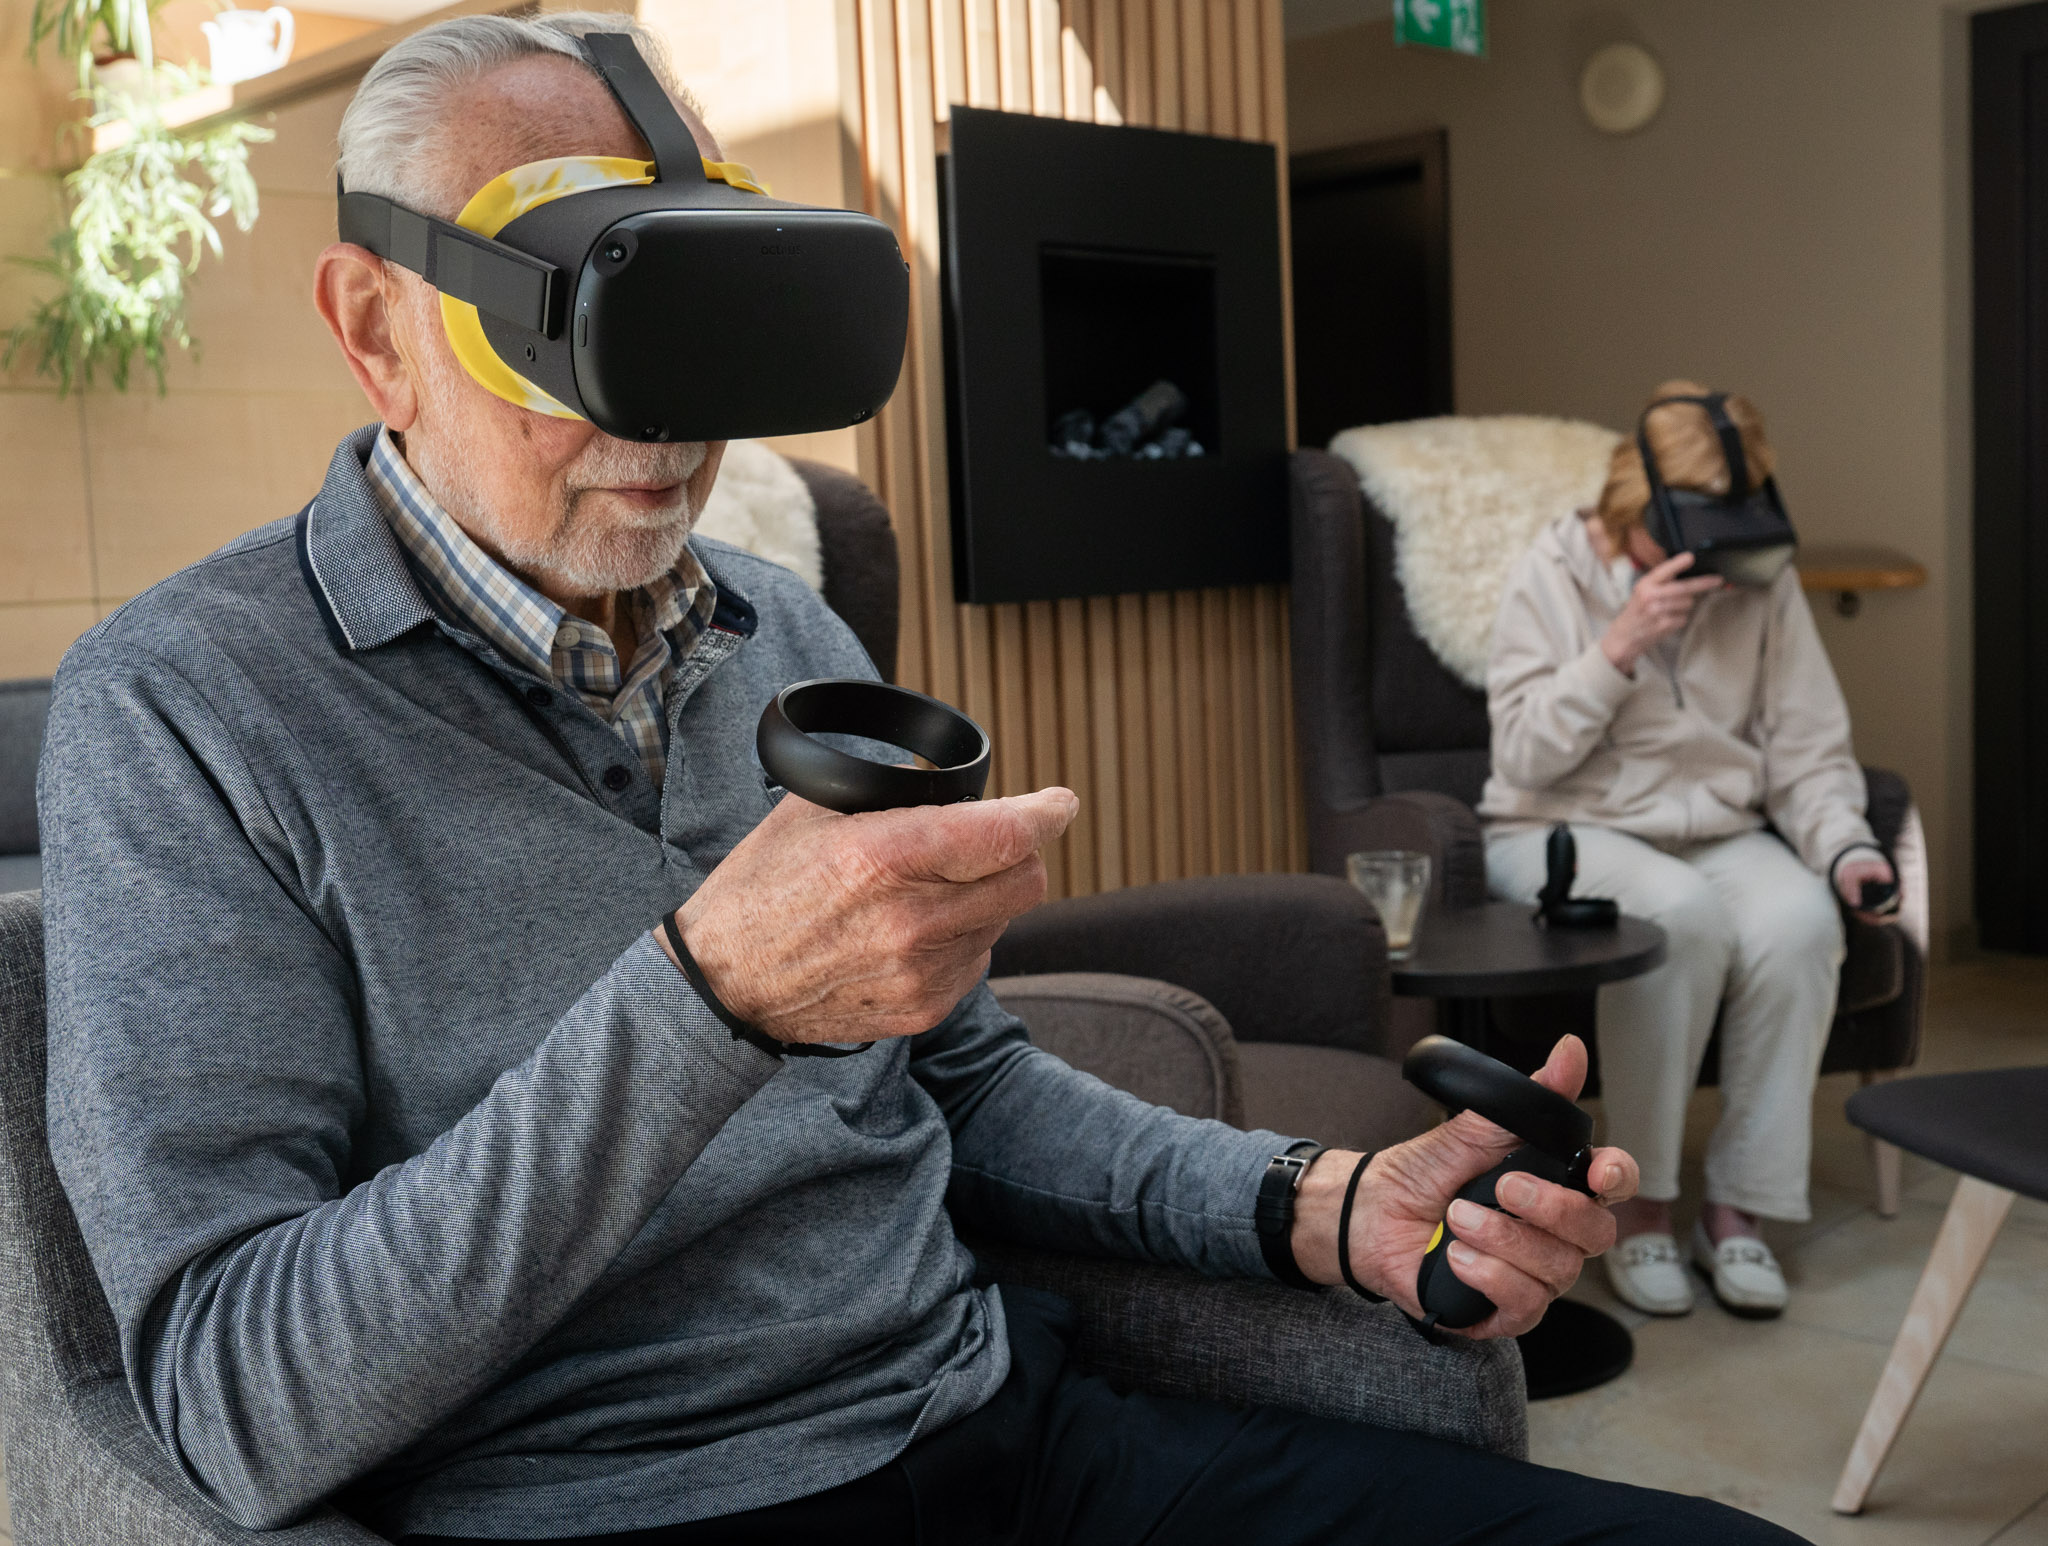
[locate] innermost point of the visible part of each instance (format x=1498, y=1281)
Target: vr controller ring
x=792, y=755
x=1557, y=1137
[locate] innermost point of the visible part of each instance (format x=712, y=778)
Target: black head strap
x=1716, y=404
x=507, y=283
x=616, y=58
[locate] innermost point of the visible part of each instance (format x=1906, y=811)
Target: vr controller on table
x=1557, y=1146
x=1556, y=907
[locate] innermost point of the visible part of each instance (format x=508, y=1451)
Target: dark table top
x=1497, y=948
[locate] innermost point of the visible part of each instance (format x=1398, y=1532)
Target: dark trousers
x=1058, y=1456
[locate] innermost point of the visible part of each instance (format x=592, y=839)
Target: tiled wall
x=103, y=494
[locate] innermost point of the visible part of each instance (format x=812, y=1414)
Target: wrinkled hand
x=819, y=927
x=1853, y=871
x=1657, y=608
x=1521, y=1259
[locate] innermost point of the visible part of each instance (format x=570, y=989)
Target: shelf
x=330, y=68
x=1849, y=569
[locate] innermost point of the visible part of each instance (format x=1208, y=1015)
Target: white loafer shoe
x=1746, y=1276
x=1646, y=1271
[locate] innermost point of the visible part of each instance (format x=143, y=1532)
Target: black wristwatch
x=1273, y=1213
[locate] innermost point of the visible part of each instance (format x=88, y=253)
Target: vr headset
x=663, y=300
x=1744, y=535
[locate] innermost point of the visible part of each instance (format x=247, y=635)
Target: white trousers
x=1755, y=939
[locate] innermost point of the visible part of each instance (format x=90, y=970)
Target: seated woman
x=1694, y=736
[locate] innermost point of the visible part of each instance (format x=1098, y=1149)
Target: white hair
x=387, y=136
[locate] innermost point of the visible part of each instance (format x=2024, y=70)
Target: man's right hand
x=819, y=927
x=1657, y=607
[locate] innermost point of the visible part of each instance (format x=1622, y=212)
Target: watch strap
x=1273, y=1212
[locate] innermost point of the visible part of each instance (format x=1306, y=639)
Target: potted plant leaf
x=95, y=31
x=142, y=212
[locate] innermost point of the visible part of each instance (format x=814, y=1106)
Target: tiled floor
x=1762, y=1415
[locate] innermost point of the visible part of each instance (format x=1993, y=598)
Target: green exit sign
x=1457, y=26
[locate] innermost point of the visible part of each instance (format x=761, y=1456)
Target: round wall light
x=1621, y=88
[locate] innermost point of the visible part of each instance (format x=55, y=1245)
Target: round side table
x=1465, y=956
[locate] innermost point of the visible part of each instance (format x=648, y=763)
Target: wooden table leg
x=1972, y=1223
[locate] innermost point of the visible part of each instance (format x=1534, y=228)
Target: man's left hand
x=1521, y=1259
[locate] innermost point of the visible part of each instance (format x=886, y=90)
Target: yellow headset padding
x=503, y=200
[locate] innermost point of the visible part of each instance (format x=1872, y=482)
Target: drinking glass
x=1395, y=882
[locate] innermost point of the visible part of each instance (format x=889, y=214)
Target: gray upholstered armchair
x=83, y=1472
x=24, y=706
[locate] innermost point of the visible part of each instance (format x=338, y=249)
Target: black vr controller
x=793, y=757
x=1556, y=906
x=1558, y=1139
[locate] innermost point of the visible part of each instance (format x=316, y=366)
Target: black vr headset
x=1743, y=535
x=671, y=301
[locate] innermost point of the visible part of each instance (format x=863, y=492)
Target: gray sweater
x=414, y=1171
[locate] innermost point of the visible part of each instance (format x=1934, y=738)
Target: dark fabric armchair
x=1395, y=750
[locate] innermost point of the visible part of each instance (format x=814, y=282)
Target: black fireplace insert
x=1115, y=374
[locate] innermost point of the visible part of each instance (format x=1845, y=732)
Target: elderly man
x=417, y=1173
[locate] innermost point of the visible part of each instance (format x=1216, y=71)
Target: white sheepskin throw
x=760, y=504
x=1465, y=497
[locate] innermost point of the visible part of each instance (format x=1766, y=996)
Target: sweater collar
x=352, y=559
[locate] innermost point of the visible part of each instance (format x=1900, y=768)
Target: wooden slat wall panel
x=1169, y=715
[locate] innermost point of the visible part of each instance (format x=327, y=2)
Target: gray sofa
x=23, y=708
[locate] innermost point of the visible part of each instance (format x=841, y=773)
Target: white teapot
x=245, y=44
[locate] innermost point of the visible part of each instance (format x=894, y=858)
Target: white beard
x=619, y=551
x=587, y=553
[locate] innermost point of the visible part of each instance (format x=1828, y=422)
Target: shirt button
x=616, y=778
x=539, y=697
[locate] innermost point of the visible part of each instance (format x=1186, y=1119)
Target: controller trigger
x=1557, y=1146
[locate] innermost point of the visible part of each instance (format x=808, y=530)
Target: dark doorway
x=1372, y=285
x=2009, y=214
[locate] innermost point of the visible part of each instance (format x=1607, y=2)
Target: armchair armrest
x=1296, y=958
x=1176, y=1333
x=83, y=1471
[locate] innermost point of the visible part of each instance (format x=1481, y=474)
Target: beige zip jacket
x=1735, y=722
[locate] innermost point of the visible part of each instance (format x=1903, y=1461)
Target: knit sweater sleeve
x=1814, y=792
x=1050, y=1156
x=1551, y=691
x=286, y=1324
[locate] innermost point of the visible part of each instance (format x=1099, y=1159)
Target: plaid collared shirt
x=474, y=588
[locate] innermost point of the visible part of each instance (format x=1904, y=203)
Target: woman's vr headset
x=671, y=300
x=1744, y=535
